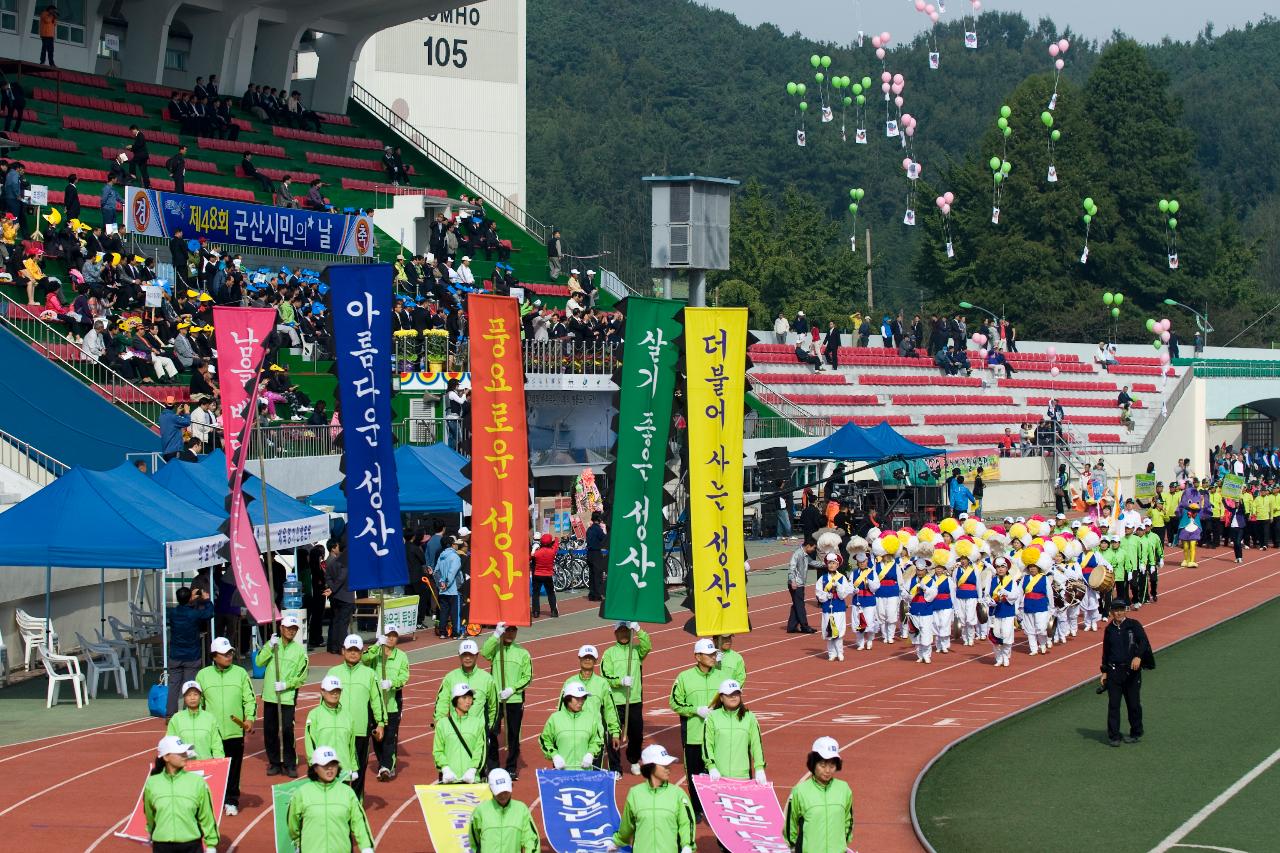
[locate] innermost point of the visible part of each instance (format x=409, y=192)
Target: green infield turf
x=1048, y=781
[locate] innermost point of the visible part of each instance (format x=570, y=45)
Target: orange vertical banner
x=499, y=464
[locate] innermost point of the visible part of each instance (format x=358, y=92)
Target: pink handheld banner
x=744, y=815
x=214, y=771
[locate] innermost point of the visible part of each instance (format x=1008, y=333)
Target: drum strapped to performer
x=1102, y=579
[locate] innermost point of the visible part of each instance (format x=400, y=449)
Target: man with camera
x=186, y=622
x=1125, y=653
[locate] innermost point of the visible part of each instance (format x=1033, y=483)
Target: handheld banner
x=1233, y=486
x=499, y=468
x=636, y=589
x=360, y=296
x=214, y=771
x=744, y=815
x=241, y=337
x=715, y=341
x=447, y=810
x=1144, y=485
x=160, y=214
x=579, y=812
x=280, y=797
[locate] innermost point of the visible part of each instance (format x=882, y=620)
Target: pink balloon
x=919, y=5
x=875, y=41
x=897, y=102
x=884, y=87
x=897, y=88
x=906, y=162
x=1053, y=371
x=884, y=37
x=1063, y=44
x=885, y=76
x=1164, y=336
x=1059, y=64
x=982, y=353
x=946, y=211
x=1053, y=50
x=933, y=16
x=939, y=202
x=1166, y=324
x=1051, y=351
x=910, y=131
x=880, y=53
x=928, y=7
x=977, y=5
x=907, y=118
x=1164, y=357
x=899, y=79
x=919, y=166
x=949, y=197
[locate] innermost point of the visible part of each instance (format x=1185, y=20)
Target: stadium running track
x=890, y=714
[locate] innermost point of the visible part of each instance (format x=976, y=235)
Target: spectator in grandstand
x=176, y=166
x=555, y=251
x=907, y=346
x=251, y=102
x=48, y=33
x=960, y=357
x=944, y=362
x=1103, y=357
x=315, y=199
x=831, y=345
x=1124, y=402
x=299, y=116
x=71, y=199
x=173, y=421
x=781, y=327
x=14, y=103
x=1010, y=333
x=141, y=156
x=805, y=357
x=958, y=495
x=1006, y=442
x=284, y=195
x=12, y=193
x=199, y=89
x=1028, y=432
x=111, y=203
x=202, y=381
x=393, y=166
x=886, y=332
x=1054, y=412
x=251, y=171
x=996, y=361
x=466, y=277
x=453, y=413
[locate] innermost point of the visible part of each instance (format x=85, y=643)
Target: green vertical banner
x=636, y=589
x=280, y=797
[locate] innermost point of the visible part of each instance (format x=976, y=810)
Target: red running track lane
x=889, y=712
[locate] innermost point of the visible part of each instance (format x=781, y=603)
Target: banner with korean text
x=579, y=809
x=1232, y=487
x=499, y=468
x=447, y=810
x=715, y=345
x=744, y=815
x=280, y=797
x=360, y=304
x=241, y=337
x=636, y=589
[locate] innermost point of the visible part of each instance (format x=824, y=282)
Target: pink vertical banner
x=241, y=337
x=744, y=815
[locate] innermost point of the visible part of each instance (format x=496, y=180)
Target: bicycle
x=675, y=572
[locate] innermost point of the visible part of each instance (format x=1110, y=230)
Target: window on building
x=176, y=60
x=9, y=15
x=71, y=21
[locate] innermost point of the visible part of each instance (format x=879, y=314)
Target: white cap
x=331, y=682
x=1075, y=522
x=466, y=257
x=391, y=629
x=190, y=685
x=462, y=689
x=171, y=745
x=1021, y=519
x=573, y=271
x=728, y=687
x=1146, y=522
x=575, y=688
x=827, y=747
x=704, y=647
x=499, y=781
x=468, y=647
x=657, y=754
x=464, y=531
x=591, y=272
x=1008, y=519
x=353, y=641
x=289, y=622
x=1060, y=516
x=220, y=646
x=588, y=650
x=323, y=755
x=622, y=623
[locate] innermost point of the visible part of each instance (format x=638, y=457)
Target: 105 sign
x=443, y=52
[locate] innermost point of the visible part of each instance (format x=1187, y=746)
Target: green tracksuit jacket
x=334, y=728
x=361, y=696
x=613, y=666
x=179, y=807
x=656, y=820
x=393, y=668
x=732, y=745
x=572, y=735
x=293, y=671
x=198, y=728
x=452, y=752
x=1155, y=549
x=600, y=701
x=732, y=665
x=692, y=690
x=512, y=667
x=324, y=816
x=503, y=829
x=486, y=705
x=228, y=693
x=820, y=819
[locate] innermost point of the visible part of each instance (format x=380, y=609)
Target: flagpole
x=271, y=572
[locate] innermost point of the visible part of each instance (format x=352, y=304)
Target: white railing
x=784, y=406
x=35, y=465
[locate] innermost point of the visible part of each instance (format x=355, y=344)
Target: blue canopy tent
x=204, y=484
x=429, y=481
x=852, y=443
x=894, y=444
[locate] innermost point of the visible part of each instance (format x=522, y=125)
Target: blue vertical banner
x=579, y=811
x=360, y=303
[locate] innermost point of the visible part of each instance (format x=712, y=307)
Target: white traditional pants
x=924, y=636
x=1002, y=629
x=967, y=616
x=942, y=620
x=1089, y=607
x=833, y=628
x=887, y=616
x=1036, y=626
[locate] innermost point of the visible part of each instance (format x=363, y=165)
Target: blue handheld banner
x=579, y=812
x=360, y=300
x=159, y=214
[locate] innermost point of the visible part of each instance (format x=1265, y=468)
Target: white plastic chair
x=132, y=636
x=125, y=651
x=51, y=663
x=36, y=633
x=102, y=660
x=146, y=623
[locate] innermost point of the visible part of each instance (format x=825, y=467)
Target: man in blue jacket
x=958, y=494
x=173, y=421
x=448, y=567
x=186, y=621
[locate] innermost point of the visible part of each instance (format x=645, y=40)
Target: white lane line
x=1216, y=803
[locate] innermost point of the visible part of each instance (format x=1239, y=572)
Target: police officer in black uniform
x=1125, y=653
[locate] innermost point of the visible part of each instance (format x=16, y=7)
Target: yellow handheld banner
x=716, y=367
x=447, y=810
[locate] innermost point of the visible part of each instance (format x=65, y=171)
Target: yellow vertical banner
x=716, y=368
x=447, y=810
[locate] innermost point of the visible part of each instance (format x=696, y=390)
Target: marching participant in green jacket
x=177, y=804
x=512, y=670
x=599, y=696
x=729, y=662
x=573, y=734
x=623, y=667
x=391, y=666
x=329, y=724
x=731, y=737
x=691, y=697
x=502, y=824
x=362, y=699
x=1155, y=559
x=279, y=695
x=461, y=739
x=228, y=695
x=480, y=682
x=657, y=815
x=819, y=814
x=196, y=726
x=325, y=815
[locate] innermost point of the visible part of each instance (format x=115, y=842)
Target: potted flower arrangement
x=437, y=346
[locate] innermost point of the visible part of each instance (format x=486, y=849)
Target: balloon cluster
x=944, y=203
x=1169, y=209
x=1058, y=50
x=999, y=171
x=1003, y=121
x=1115, y=300
x=927, y=9
x=1090, y=211
x=881, y=43
x=855, y=196
x=1160, y=328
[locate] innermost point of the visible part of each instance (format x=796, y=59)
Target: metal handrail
x=103, y=379
x=1167, y=407
x=449, y=163
x=22, y=458
x=781, y=403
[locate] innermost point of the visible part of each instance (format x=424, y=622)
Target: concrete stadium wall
x=75, y=604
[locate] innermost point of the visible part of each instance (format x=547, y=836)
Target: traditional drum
x=1102, y=579
x=1074, y=591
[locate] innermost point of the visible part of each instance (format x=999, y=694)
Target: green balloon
x=994, y=163
x=847, y=100
x=1002, y=122
x=1005, y=167
x=791, y=88
x=1008, y=131
x=803, y=106
x=815, y=60
x=1108, y=298
x=1087, y=218
x=1173, y=205
x=1151, y=325
x=819, y=77
x=800, y=88
x=853, y=207
x=857, y=88
x=853, y=194
x=998, y=177
x=1093, y=208
x=861, y=193
x=1047, y=118
x=826, y=62
x=1005, y=112
x=1115, y=312
x=1056, y=135
x=1088, y=202
x=1164, y=205
x=862, y=99
x=1173, y=225
x=866, y=82
x=1157, y=343
x=1119, y=298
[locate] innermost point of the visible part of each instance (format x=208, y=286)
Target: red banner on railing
x=499, y=465
x=241, y=337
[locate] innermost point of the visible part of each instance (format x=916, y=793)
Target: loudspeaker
x=774, y=464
